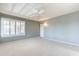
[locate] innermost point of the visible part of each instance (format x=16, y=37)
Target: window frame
x=10, y=20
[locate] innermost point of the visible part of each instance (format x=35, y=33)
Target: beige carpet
x=37, y=47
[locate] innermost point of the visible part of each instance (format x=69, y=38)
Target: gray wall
x=32, y=29
x=63, y=28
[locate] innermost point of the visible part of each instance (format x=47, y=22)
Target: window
x=22, y=28
x=18, y=27
x=12, y=27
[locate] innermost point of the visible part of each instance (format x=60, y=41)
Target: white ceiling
x=38, y=11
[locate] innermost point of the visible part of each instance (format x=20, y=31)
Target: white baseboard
x=65, y=42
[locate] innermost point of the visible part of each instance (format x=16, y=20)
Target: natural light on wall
x=45, y=24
